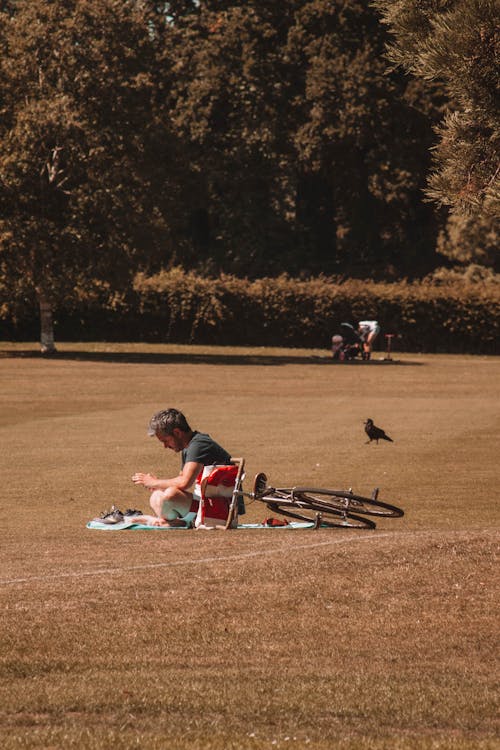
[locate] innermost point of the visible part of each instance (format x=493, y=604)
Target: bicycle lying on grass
x=221, y=497
x=323, y=507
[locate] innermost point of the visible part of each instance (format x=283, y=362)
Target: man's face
x=173, y=441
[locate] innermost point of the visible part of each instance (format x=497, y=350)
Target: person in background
x=368, y=331
x=347, y=344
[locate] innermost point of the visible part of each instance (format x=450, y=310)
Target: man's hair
x=166, y=421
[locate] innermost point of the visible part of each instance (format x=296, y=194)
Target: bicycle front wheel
x=323, y=515
x=347, y=501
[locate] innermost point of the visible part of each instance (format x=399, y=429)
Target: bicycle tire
x=304, y=511
x=348, y=501
x=335, y=499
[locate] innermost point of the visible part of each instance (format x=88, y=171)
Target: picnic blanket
x=130, y=525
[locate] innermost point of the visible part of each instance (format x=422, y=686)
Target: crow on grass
x=375, y=433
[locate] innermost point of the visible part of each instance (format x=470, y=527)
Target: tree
x=457, y=42
x=358, y=140
x=229, y=106
x=309, y=156
x=79, y=136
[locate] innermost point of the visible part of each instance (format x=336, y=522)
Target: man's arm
x=183, y=481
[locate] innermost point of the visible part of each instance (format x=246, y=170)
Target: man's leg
x=368, y=345
x=171, y=504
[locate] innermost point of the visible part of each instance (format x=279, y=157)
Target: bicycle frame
x=237, y=492
x=344, y=502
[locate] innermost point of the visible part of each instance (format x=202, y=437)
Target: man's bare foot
x=149, y=520
x=157, y=521
x=176, y=522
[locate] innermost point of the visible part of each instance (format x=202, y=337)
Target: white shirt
x=370, y=326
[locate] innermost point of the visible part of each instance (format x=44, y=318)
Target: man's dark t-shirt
x=203, y=450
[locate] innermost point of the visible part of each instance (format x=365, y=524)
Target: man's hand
x=147, y=480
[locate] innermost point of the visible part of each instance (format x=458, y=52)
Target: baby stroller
x=347, y=344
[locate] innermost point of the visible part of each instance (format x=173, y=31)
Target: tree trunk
x=47, y=345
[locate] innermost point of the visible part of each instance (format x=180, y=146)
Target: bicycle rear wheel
x=343, y=500
x=323, y=515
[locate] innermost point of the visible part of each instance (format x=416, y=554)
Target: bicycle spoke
x=324, y=516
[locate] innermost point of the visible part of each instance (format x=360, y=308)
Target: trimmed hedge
x=182, y=307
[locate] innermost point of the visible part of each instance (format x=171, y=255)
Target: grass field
x=249, y=639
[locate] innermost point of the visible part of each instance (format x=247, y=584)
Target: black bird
x=375, y=433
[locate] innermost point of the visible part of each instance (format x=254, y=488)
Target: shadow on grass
x=155, y=358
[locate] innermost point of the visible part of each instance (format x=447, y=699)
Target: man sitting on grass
x=172, y=500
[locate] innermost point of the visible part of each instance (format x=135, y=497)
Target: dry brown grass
x=249, y=639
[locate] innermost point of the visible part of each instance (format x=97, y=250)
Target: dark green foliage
x=78, y=139
x=444, y=315
x=251, y=138
x=309, y=156
x=457, y=42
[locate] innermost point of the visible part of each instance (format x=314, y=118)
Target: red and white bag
x=215, y=486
